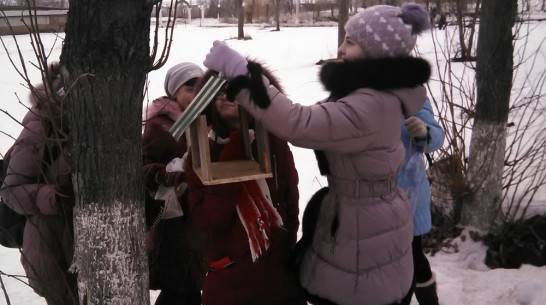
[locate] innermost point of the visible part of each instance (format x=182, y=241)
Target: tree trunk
x=494, y=67
x=290, y=6
x=343, y=17
x=240, y=20
x=473, y=28
x=251, y=13
x=278, y=14
x=465, y=52
x=105, y=59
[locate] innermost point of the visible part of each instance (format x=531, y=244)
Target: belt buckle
x=222, y=263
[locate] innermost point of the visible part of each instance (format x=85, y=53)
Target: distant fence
x=20, y=21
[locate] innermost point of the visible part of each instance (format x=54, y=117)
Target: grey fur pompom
x=417, y=16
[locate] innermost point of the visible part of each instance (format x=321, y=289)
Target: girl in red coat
x=253, y=224
x=174, y=243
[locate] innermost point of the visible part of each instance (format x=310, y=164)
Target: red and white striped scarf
x=254, y=205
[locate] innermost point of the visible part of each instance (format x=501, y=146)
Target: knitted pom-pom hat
x=388, y=31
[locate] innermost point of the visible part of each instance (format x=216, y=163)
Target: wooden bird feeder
x=210, y=172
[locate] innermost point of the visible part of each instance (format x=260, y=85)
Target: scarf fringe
x=258, y=217
x=254, y=206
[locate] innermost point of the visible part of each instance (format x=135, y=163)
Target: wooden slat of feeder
x=212, y=173
x=243, y=122
x=234, y=171
x=263, y=148
x=194, y=140
x=196, y=106
x=204, y=151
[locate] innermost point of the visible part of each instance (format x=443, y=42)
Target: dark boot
x=426, y=292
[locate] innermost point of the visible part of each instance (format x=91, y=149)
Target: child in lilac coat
x=361, y=247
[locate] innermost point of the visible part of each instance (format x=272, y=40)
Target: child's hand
x=170, y=178
x=415, y=127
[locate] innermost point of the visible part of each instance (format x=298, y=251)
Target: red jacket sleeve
x=158, y=148
x=288, y=175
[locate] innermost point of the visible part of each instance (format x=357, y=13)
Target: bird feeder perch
x=210, y=172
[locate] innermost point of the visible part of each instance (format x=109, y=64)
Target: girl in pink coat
x=360, y=252
x=38, y=185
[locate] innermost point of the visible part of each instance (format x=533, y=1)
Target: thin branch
x=169, y=32
x=6, y=296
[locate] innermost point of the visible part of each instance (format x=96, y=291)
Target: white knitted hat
x=178, y=75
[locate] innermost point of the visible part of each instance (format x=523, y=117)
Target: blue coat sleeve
x=434, y=141
x=436, y=135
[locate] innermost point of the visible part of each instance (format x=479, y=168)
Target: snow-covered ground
x=292, y=54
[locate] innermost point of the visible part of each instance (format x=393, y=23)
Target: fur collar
x=342, y=78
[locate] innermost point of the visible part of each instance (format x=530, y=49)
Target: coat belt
x=362, y=188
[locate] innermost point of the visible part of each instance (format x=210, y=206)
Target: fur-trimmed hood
x=342, y=78
x=233, y=87
x=161, y=106
x=47, y=98
x=42, y=95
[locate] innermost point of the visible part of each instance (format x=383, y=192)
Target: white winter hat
x=179, y=74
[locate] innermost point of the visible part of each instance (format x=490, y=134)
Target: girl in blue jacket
x=421, y=134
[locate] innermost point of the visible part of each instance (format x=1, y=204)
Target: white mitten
x=415, y=127
x=225, y=60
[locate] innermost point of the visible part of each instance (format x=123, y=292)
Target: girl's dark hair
x=213, y=119
x=191, y=82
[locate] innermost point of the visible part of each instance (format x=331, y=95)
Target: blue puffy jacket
x=435, y=140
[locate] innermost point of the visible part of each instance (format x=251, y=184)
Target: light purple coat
x=368, y=259
x=43, y=193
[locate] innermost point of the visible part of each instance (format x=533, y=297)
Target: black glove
x=258, y=92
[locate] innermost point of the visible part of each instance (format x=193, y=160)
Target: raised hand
x=225, y=60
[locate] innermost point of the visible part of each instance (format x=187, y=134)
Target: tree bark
x=105, y=59
x=278, y=14
x=494, y=67
x=465, y=52
x=473, y=28
x=241, y=20
x=439, y=6
x=251, y=13
x=343, y=17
